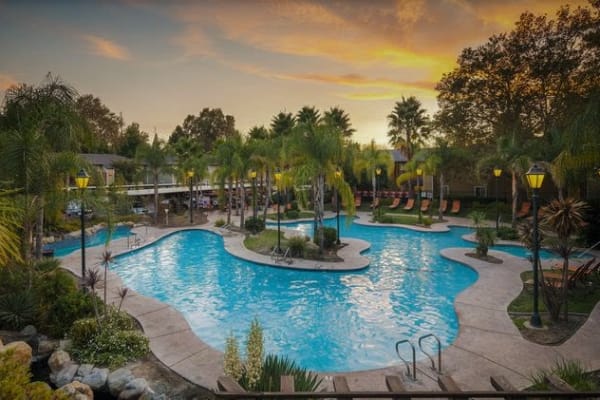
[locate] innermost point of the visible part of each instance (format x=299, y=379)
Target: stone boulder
x=96, y=379
x=22, y=352
x=117, y=380
x=133, y=389
x=1, y=344
x=77, y=391
x=58, y=360
x=65, y=375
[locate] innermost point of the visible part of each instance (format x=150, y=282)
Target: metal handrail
x=429, y=355
x=414, y=361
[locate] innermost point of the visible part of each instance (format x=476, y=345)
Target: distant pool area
x=67, y=246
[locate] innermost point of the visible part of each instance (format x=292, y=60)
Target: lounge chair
x=375, y=203
x=582, y=272
x=395, y=203
x=425, y=205
x=455, y=207
x=410, y=203
x=444, y=206
x=357, y=201
x=525, y=208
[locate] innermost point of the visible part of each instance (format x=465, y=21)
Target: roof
x=398, y=156
x=103, y=160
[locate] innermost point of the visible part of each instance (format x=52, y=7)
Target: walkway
x=488, y=343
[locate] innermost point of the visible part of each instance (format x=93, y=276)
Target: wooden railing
x=230, y=389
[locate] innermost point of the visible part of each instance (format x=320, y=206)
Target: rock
x=133, y=389
x=77, y=391
x=29, y=330
x=1, y=344
x=96, y=379
x=58, y=360
x=84, y=369
x=65, y=375
x=46, y=346
x=22, y=352
x=65, y=344
x=117, y=380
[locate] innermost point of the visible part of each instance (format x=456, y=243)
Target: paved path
x=488, y=343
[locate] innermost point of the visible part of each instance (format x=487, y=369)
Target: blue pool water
x=325, y=321
x=65, y=247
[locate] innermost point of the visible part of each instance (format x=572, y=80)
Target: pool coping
x=487, y=343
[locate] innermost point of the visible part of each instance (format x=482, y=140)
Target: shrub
x=275, y=366
x=329, y=236
x=297, y=245
x=292, y=214
x=110, y=344
x=219, y=222
x=570, y=371
x=386, y=219
x=254, y=225
x=507, y=233
x=64, y=311
x=426, y=221
x=17, y=309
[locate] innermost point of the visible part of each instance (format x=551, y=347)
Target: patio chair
x=375, y=203
x=410, y=203
x=357, y=201
x=425, y=205
x=444, y=206
x=455, y=207
x=555, y=278
x=524, y=211
x=395, y=203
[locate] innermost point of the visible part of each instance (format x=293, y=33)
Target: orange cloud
x=7, y=81
x=106, y=48
x=194, y=42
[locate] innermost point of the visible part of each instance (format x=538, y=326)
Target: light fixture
x=535, y=177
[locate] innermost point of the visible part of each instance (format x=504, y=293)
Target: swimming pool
x=67, y=246
x=325, y=321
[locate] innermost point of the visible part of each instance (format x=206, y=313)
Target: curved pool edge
x=487, y=342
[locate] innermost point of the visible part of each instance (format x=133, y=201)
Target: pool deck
x=488, y=343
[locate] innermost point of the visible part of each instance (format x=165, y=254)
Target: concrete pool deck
x=488, y=343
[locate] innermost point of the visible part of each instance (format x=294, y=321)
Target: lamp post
x=497, y=173
x=419, y=174
x=535, y=177
x=253, y=177
x=338, y=175
x=190, y=175
x=81, y=180
x=277, y=182
x=378, y=192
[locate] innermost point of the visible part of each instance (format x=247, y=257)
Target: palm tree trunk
x=155, y=181
x=39, y=228
x=229, y=200
x=242, y=198
x=565, y=289
x=515, y=197
x=440, y=214
x=267, y=195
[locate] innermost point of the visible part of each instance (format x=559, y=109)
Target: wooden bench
x=447, y=384
x=501, y=384
x=228, y=384
x=394, y=384
x=340, y=384
x=286, y=384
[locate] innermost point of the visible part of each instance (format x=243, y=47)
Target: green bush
x=297, y=245
x=254, y=225
x=570, y=371
x=329, y=236
x=17, y=310
x=427, y=221
x=507, y=233
x=386, y=219
x=111, y=344
x=65, y=310
x=292, y=214
x=275, y=366
x=219, y=222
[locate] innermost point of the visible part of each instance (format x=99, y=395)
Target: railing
x=439, y=351
x=480, y=394
x=406, y=363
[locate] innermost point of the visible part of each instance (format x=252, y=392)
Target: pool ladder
x=414, y=361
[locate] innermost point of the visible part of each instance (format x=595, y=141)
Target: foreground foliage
x=570, y=371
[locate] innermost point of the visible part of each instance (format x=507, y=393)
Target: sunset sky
x=158, y=61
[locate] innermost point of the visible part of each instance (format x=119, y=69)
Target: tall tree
x=370, y=157
x=103, y=124
x=282, y=124
x=207, y=127
x=154, y=157
x=38, y=125
x=339, y=119
x=409, y=126
x=130, y=140
x=308, y=116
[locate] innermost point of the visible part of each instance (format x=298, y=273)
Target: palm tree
x=36, y=126
x=155, y=159
x=107, y=258
x=227, y=156
x=282, y=124
x=10, y=223
x=409, y=126
x=369, y=158
x=338, y=118
x=308, y=116
x=562, y=220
